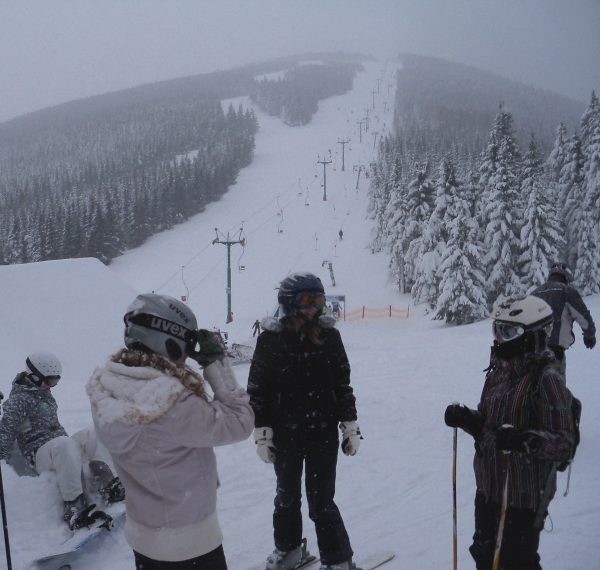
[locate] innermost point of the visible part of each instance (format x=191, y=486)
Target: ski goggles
x=308, y=300
x=505, y=332
x=51, y=380
x=39, y=379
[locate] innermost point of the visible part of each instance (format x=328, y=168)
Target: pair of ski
x=370, y=563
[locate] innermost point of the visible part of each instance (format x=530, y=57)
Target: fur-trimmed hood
x=132, y=394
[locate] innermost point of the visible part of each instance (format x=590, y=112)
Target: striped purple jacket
x=530, y=394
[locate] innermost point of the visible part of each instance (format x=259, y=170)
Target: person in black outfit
x=567, y=307
x=299, y=387
x=256, y=328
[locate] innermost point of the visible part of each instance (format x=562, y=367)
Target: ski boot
x=78, y=514
x=110, y=488
x=73, y=508
x=113, y=492
x=288, y=560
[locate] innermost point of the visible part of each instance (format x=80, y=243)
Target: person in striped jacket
x=523, y=430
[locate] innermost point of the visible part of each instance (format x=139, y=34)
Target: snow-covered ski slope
x=396, y=493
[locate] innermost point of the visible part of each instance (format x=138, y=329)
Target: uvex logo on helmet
x=179, y=312
x=168, y=327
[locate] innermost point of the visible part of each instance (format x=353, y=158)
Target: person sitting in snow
x=153, y=414
x=299, y=387
x=30, y=417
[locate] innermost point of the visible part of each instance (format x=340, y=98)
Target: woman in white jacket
x=153, y=415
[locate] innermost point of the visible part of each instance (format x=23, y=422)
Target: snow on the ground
x=396, y=494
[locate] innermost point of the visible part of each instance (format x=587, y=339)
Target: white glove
x=221, y=378
x=350, y=437
x=263, y=437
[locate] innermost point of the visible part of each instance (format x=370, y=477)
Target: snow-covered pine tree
x=387, y=178
x=420, y=198
x=590, y=119
x=462, y=297
x=542, y=238
x=555, y=162
x=393, y=230
x=587, y=272
x=435, y=236
x=571, y=187
x=500, y=182
x=591, y=204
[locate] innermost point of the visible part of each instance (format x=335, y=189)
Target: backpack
x=575, y=418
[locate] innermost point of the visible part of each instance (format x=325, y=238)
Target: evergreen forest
x=467, y=221
x=98, y=176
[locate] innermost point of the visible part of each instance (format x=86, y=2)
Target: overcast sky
x=53, y=51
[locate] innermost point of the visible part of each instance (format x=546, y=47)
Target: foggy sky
x=52, y=51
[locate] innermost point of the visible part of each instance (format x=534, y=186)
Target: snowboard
x=68, y=555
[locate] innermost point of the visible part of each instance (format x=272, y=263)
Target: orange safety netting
x=389, y=312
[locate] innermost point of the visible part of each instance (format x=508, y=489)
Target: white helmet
x=160, y=324
x=514, y=317
x=43, y=367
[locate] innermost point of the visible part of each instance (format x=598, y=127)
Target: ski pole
x=454, y=511
x=3, y=509
x=503, y=507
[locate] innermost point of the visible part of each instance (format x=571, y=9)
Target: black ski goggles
x=505, y=332
x=51, y=380
x=39, y=379
x=309, y=299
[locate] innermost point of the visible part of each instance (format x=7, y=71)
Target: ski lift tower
x=229, y=242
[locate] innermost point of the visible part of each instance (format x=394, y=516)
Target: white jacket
x=160, y=436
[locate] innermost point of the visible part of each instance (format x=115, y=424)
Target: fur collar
x=274, y=324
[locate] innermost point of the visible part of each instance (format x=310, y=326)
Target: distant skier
x=30, y=417
x=299, y=386
x=154, y=416
x=523, y=429
x=341, y=234
x=256, y=328
x=567, y=307
x=335, y=309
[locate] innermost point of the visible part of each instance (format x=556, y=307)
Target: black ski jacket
x=293, y=382
x=567, y=307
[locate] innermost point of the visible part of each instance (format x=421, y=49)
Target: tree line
x=295, y=96
x=99, y=187
x=463, y=230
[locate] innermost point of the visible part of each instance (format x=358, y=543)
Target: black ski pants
x=316, y=450
x=520, y=540
x=214, y=560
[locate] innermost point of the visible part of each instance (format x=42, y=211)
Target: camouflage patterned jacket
x=30, y=417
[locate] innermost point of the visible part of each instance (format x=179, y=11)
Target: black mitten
x=509, y=438
x=459, y=416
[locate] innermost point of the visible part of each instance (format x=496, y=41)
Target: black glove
x=459, y=416
x=211, y=347
x=509, y=438
x=589, y=341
